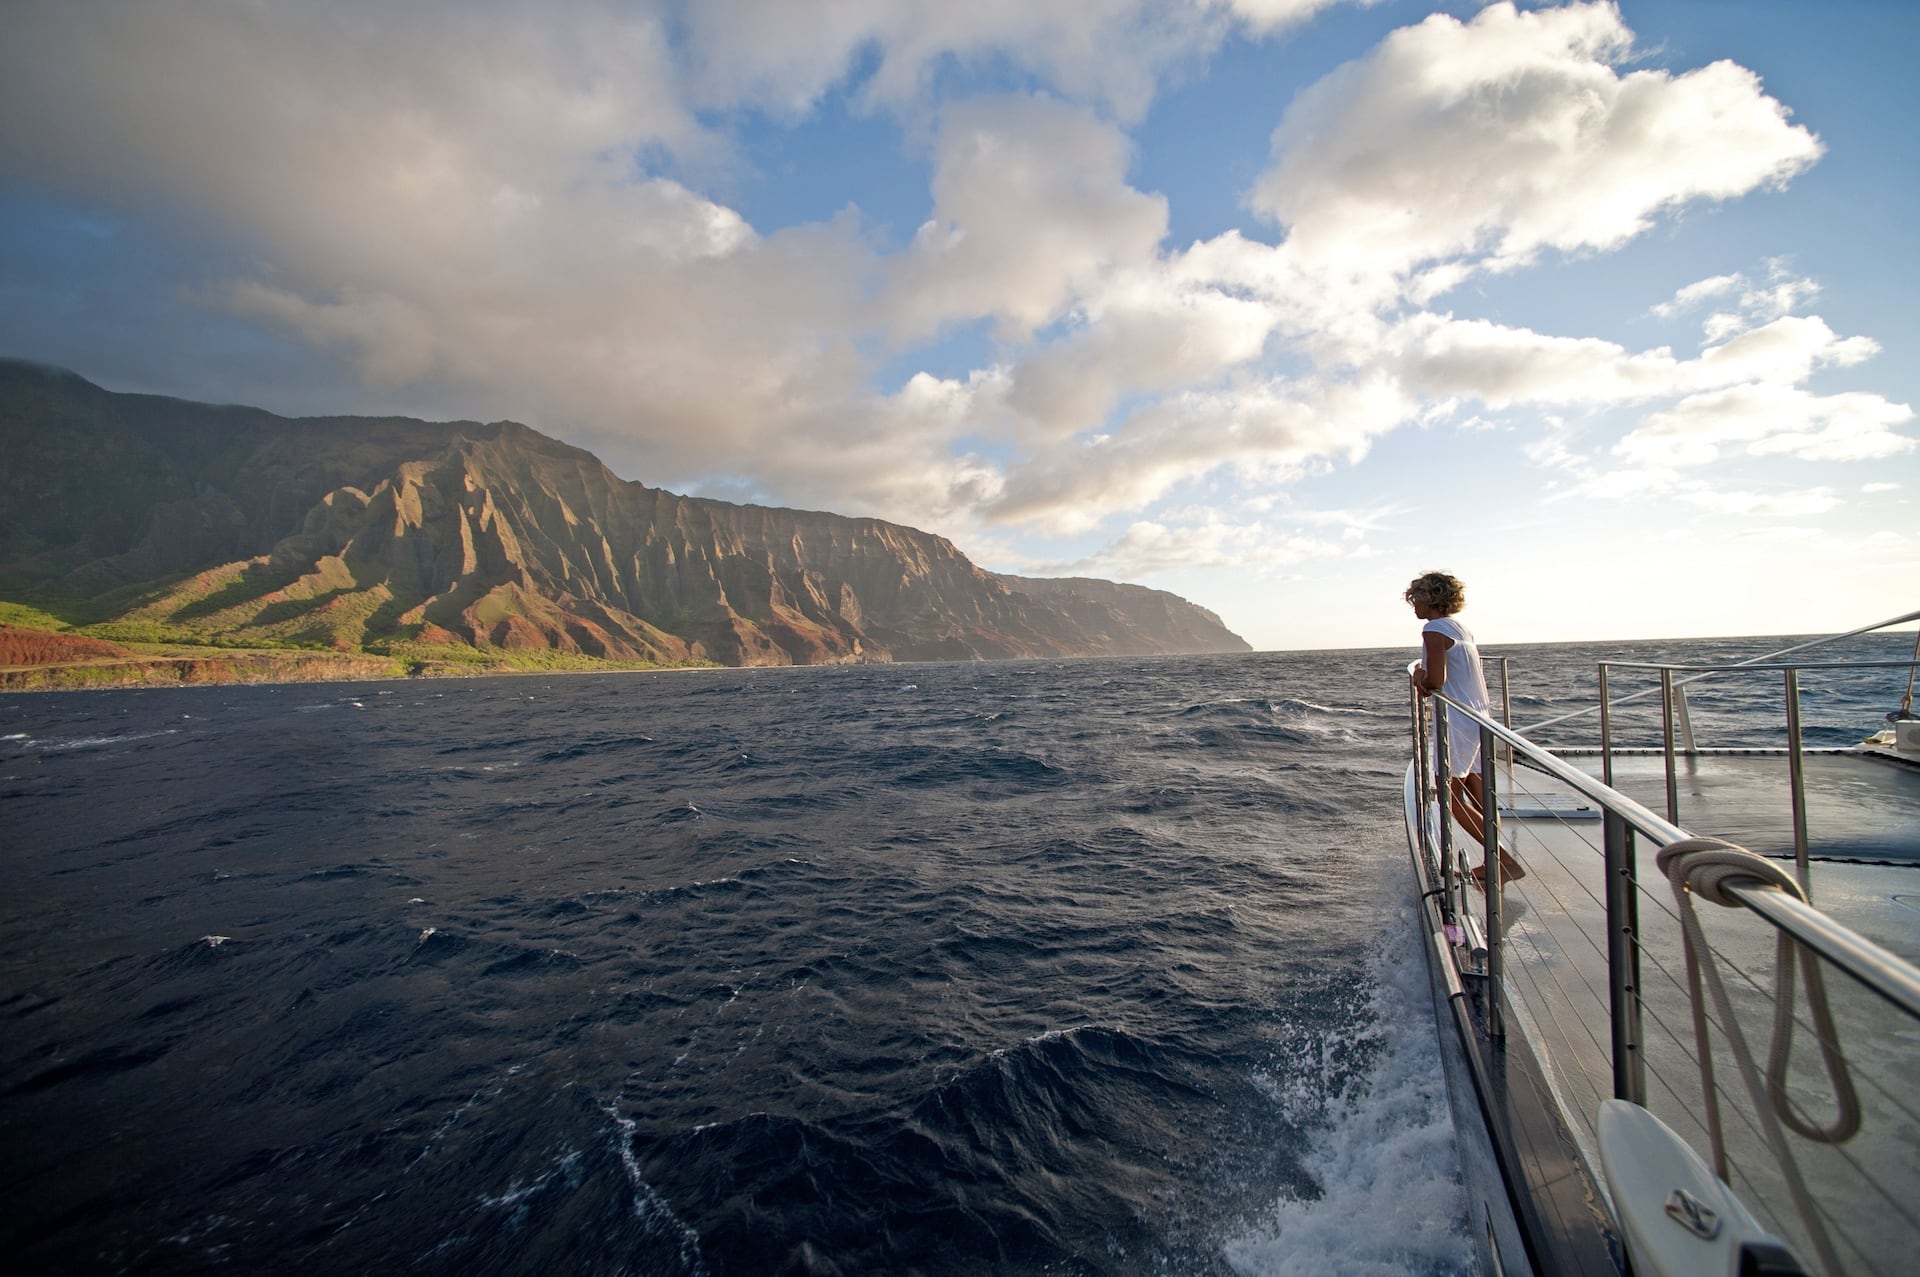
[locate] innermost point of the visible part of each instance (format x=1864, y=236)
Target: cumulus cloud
x=1476, y=145
x=1113, y=54
x=364, y=130
x=1503, y=366
x=451, y=195
x=501, y=197
x=1700, y=290
x=1149, y=547
x=1267, y=432
x=1147, y=334
x=1769, y=419
x=1031, y=213
x=1779, y=293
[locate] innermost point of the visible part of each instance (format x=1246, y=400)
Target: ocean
x=1069, y=967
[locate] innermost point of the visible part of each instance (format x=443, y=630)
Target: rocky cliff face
x=360, y=533
x=1131, y=619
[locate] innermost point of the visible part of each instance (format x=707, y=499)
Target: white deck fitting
x=1555, y=949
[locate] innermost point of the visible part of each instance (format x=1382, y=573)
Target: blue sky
x=1607, y=309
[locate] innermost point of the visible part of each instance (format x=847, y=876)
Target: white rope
x=1703, y=868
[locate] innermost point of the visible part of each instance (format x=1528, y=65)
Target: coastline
x=253, y=668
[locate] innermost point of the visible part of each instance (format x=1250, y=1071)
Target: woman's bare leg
x=1469, y=806
x=1468, y=803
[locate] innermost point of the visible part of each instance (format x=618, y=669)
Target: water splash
x=1390, y=1198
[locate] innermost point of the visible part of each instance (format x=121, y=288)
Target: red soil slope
x=38, y=647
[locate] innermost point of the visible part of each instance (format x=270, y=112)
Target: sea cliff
x=142, y=519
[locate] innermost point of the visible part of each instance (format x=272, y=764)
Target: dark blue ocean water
x=1037, y=967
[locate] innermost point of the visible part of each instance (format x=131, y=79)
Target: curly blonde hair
x=1443, y=593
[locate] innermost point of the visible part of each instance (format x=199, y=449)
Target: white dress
x=1467, y=684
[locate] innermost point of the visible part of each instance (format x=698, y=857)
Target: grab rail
x=1785, y=651
x=1672, y=699
x=1883, y=972
x=1706, y=869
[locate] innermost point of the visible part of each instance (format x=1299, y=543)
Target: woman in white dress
x=1450, y=659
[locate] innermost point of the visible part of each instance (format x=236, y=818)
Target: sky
x=1607, y=309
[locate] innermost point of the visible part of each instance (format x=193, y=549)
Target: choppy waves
x=1042, y=967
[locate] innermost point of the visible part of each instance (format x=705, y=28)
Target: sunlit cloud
x=1765, y=504
x=1693, y=294
x=1150, y=547
x=1031, y=214
x=1113, y=54
x=1764, y=419
x=532, y=207
x=1474, y=146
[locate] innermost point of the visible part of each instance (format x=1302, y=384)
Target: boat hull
x=1533, y=1204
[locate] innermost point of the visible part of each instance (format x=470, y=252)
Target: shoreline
x=234, y=669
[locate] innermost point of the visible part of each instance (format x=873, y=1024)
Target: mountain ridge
x=145, y=514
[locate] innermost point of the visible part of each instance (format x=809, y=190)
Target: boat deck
x=1864, y=842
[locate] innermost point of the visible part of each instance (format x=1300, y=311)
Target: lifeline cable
x=1703, y=867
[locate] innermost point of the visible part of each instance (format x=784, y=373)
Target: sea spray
x=1390, y=1199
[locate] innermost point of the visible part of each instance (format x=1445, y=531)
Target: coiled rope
x=1702, y=868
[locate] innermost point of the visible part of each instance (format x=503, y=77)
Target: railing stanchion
x=1490, y=828
x=1666, y=741
x=1424, y=776
x=1606, y=730
x=1623, y=961
x=1796, y=773
x=1506, y=710
x=1443, y=799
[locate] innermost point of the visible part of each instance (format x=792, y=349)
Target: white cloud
x=1031, y=213
x=782, y=55
x=1787, y=350
x=1631, y=483
x=472, y=196
x=1552, y=450
x=1275, y=15
x=785, y=56
x=1145, y=333
x=1695, y=293
x=1667, y=486
x=1871, y=488
x=1148, y=547
x=1503, y=366
x=1479, y=144
x=358, y=129
x=1764, y=504
x=1781, y=293
x=1266, y=432
x=1765, y=418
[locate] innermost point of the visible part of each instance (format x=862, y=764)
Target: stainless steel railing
x=1673, y=712
x=1624, y=818
x=1889, y=623
x=1636, y=1064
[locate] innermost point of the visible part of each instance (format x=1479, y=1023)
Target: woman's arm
x=1433, y=660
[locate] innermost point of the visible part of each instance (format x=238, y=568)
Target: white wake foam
x=1391, y=1200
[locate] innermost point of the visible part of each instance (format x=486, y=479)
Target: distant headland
x=151, y=540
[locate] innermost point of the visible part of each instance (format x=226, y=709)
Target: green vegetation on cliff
x=457, y=545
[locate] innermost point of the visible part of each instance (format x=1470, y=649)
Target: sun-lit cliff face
x=362, y=533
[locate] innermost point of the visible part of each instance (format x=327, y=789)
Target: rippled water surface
x=1068, y=967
